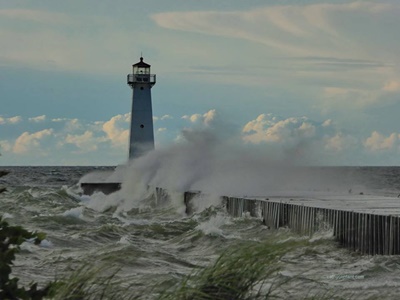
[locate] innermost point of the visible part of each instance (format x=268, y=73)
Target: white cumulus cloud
x=30, y=141
x=266, y=128
x=298, y=131
x=38, y=119
x=206, y=118
x=378, y=142
x=117, y=130
x=11, y=120
x=85, y=142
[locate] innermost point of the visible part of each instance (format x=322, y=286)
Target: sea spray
x=202, y=161
x=206, y=160
x=202, y=201
x=213, y=225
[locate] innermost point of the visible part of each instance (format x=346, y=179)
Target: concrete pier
x=365, y=224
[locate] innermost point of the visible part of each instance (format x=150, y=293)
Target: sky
x=317, y=77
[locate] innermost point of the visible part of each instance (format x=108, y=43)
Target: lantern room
x=141, y=74
x=141, y=67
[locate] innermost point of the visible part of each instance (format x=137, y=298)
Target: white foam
x=7, y=216
x=73, y=191
x=27, y=246
x=100, y=202
x=322, y=235
x=76, y=212
x=124, y=240
x=213, y=225
x=46, y=244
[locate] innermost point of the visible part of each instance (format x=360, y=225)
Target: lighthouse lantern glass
x=141, y=70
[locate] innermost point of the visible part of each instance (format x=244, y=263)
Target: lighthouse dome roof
x=141, y=64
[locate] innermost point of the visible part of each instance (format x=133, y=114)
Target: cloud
x=85, y=142
x=392, y=86
x=37, y=16
x=303, y=140
x=300, y=136
x=67, y=41
x=268, y=129
x=337, y=97
x=166, y=117
x=259, y=123
x=38, y=119
x=72, y=124
x=163, y=118
x=27, y=142
x=209, y=116
x=12, y=120
x=316, y=29
x=117, y=130
x=5, y=146
x=206, y=118
x=192, y=118
x=327, y=123
x=60, y=119
x=340, y=142
x=322, y=45
x=379, y=142
x=374, y=94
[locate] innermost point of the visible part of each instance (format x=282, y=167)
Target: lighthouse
x=142, y=134
x=141, y=137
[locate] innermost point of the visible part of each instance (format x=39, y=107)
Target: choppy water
x=155, y=246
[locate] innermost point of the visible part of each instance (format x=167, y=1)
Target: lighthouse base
x=107, y=182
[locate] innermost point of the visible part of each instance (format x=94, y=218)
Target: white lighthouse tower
x=142, y=134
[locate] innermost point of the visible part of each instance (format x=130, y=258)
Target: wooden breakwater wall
x=367, y=233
